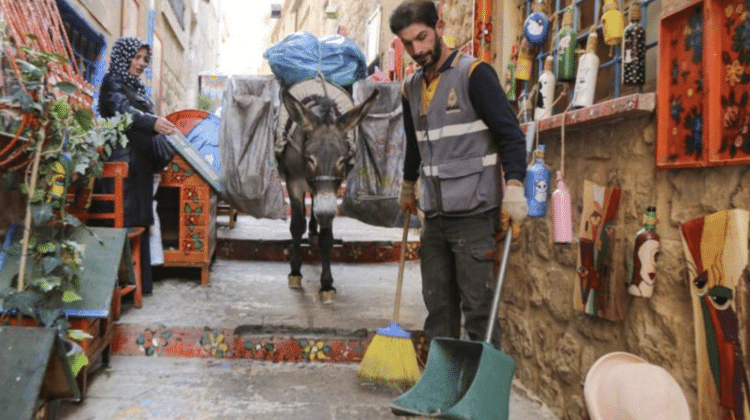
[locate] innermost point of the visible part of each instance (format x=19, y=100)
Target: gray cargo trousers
x=458, y=257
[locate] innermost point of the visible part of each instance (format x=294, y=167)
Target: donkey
x=316, y=159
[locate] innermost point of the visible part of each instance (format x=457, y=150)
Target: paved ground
x=256, y=293
x=176, y=388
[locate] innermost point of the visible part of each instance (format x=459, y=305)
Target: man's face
x=423, y=43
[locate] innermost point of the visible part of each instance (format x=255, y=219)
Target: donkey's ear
x=298, y=112
x=352, y=117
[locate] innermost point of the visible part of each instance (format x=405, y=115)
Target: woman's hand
x=163, y=126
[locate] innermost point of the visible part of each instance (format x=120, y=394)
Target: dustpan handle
x=499, y=285
x=402, y=257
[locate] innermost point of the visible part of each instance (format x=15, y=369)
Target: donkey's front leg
x=327, y=291
x=297, y=228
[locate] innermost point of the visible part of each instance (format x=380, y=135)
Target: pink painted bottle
x=562, y=220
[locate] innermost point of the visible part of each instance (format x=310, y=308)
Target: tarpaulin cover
x=374, y=183
x=246, y=146
x=301, y=56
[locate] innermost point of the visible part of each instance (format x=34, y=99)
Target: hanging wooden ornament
x=634, y=50
x=536, y=27
x=510, y=75
x=643, y=267
x=536, y=184
x=525, y=60
x=613, y=23
x=483, y=30
x=566, y=44
x=546, y=95
x=588, y=70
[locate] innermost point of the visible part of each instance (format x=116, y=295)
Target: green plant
x=205, y=102
x=69, y=147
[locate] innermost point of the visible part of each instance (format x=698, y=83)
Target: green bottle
x=565, y=44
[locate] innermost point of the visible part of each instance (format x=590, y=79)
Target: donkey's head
x=325, y=148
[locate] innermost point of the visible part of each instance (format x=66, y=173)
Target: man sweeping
x=459, y=130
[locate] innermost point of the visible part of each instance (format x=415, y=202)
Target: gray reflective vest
x=459, y=169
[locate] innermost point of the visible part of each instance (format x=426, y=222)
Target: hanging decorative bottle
x=562, y=218
x=588, y=69
x=536, y=184
x=536, y=26
x=59, y=178
x=565, y=44
x=546, y=95
x=525, y=60
x=510, y=75
x=643, y=268
x=634, y=50
x=613, y=23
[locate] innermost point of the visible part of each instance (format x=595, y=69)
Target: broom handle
x=402, y=257
x=499, y=285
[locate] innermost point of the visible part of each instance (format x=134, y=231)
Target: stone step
x=272, y=344
x=249, y=312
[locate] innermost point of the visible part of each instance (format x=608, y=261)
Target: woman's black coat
x=116, y=97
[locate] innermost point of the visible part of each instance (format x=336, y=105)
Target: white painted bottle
x=588, y=69
x=546, y=95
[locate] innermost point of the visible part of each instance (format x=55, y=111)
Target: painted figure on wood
x=594, y=296
x=716, y=251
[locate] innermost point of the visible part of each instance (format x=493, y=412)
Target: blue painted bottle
x=536, y=186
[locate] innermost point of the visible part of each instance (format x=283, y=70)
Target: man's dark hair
x=413, y=11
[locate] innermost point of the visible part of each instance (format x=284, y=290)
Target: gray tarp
x=370, y=198
x=248, y=164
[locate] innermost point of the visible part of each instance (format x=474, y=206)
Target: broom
x=390, y=359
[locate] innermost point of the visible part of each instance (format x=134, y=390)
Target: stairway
x=248, y=311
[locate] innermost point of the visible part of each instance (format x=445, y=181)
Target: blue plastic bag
x=301, y=56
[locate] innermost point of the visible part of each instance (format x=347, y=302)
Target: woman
x=122, y=91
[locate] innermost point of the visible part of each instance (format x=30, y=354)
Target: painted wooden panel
x=196, y=230
x=600, y=288
x=681, y=91
x=729, y=76
x=716, y=253
x=704, y=85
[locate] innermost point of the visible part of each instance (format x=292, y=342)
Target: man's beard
x=430, y=58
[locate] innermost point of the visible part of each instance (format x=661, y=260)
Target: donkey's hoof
x=327, y=296
x=295, y=282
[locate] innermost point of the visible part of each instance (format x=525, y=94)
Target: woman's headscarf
x=123, y=52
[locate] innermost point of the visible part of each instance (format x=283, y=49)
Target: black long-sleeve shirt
x=489, y=100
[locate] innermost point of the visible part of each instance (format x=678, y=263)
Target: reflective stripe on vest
x=451, y=131
x=489, y=160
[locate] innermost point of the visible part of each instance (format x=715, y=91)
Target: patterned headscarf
x=123, y=52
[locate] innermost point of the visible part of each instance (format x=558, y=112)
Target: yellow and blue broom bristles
x=390, y=359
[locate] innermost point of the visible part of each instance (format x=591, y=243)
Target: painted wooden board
x=105, y=249
x=716, y=252
x=600, y=289
x=34, y=367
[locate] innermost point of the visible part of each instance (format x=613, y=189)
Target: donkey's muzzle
x=325, y=206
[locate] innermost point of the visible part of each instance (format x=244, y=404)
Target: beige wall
x=184, y=52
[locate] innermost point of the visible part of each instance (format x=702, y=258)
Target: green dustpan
x=464, y=379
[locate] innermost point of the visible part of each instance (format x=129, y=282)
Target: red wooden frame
x=701, y=116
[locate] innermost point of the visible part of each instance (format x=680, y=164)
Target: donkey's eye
x=312, y=161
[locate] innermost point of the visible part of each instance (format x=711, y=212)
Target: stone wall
x=554, y=345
